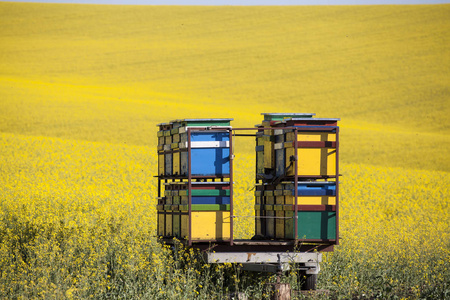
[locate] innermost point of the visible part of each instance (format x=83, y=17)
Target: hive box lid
x=281, y=116
x=202, y=122
x=313, y=119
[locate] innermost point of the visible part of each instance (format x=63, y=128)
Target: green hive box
x=317, y=225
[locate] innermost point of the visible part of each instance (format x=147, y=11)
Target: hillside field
x=82, y=88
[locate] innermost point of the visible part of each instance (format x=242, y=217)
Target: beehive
x=194, y=202
x=306, y=148
x=209, y=149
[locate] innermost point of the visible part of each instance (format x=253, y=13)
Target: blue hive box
x=324, y=188
x=210, y=154
x=210, y=200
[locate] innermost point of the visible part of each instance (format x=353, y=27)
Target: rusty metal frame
x=322, y=244
x=297, y=145
x=189, y=186
x=260, y=246
x=337, y=186
x=230, y=132
x=296, y=187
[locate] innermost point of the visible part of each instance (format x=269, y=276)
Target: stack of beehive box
x=297, y=171
x=195, y=190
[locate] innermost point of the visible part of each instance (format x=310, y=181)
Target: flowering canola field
x=83, y=86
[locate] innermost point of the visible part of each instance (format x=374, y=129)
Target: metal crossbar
x=262, y=217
